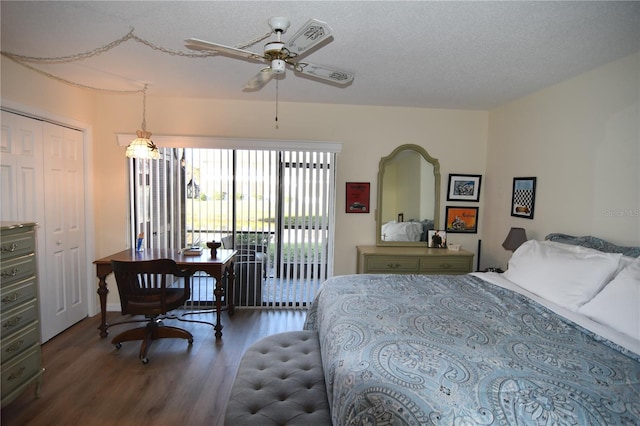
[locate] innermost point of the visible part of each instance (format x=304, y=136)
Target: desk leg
x=102, y=292
x=231, y=277
x=218, y=292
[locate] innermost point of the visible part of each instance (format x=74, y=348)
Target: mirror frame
x=436, y=172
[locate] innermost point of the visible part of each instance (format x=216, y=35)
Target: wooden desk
x=220, y=268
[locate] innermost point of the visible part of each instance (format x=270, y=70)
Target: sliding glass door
x=274, y=207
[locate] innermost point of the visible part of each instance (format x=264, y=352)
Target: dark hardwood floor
x=88, y=382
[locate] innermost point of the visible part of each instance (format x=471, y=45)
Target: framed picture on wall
x=462, y=220
x=523, y=197
x=357, y=194
x=464, y=187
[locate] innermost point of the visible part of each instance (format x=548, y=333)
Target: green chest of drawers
x=413, y=260
x=20, y=359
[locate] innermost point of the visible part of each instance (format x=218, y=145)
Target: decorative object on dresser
x=464, y=187
x=437, y=238
x=523, y=197
x=413, y=260
x=21, y=356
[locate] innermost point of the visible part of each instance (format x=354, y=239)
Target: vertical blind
x=275, y=207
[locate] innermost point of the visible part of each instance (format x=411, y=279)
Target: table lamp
x=515, y=238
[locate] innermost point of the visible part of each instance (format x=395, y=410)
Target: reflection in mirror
x=408, y=196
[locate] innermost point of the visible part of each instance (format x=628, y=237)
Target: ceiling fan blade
x=311, y=33
x=259, y=80
x=333, y=75
x=195, y=44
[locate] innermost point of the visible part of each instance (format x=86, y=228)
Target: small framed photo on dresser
x=437, y=238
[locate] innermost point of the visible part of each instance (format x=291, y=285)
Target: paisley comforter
x=455, y=350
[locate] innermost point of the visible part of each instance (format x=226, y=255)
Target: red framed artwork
x=357, y=197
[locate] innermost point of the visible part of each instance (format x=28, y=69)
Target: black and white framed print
x=464, y=187
x=524, y=197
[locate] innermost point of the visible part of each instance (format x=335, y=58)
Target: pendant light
x=143, y=147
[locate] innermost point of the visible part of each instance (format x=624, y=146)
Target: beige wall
x=44, y=94
x=581, y=139
x=456, y=138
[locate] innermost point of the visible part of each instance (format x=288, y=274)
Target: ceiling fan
x=279, y=54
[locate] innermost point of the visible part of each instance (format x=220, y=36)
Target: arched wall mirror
x=408, y=197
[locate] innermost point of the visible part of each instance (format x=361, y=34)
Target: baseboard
x=113, y=307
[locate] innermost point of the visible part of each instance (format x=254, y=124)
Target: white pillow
x=624, y=260
x=618, y=304
x=568, y=278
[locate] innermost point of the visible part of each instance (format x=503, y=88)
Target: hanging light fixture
x=143, y=147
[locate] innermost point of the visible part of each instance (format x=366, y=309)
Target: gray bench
x=280, y=381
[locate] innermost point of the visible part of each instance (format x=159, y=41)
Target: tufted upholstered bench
x=280, y=381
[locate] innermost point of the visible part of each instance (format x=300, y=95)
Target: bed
x=554, y=340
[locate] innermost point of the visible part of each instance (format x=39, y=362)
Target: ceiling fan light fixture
x=277, y=66
x=278, y=54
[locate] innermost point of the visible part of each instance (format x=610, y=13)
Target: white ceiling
x=466, y=55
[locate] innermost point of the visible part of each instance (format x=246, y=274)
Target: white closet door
x=21, y=169
x=63, y=292
x=42, y=181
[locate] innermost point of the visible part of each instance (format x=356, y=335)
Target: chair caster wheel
x=118, y=345
x=145, y=360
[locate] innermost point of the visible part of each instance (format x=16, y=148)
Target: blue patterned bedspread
x=455, y=350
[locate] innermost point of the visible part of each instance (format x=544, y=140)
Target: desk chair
x=151, y=288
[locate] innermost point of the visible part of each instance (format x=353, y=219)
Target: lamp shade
x=516, y=237
x=142, y=147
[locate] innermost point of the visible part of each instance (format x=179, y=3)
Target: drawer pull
x=11, y=297
x=393, y=265
x=12, y=273
x=12, y=322
x=16, y=375
x=445, y=265
x=10, y=248
x=14, y=346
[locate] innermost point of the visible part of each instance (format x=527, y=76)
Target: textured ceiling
x=467, y=55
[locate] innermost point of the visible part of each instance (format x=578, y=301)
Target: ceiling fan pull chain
x=277, y=104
